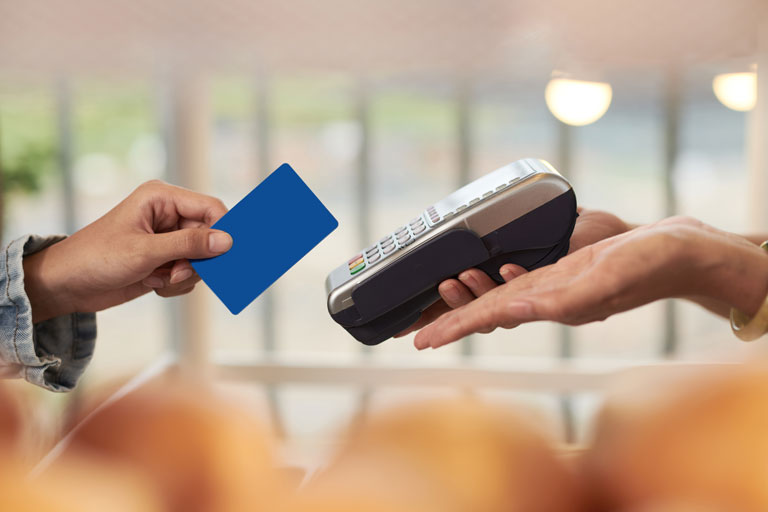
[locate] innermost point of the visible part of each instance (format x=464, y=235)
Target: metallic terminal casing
x=542, y=185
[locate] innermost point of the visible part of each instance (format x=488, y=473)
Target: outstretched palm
x=676, y=257
x=591, y=227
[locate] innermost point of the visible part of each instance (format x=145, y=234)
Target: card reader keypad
x=434, y=217
x=407, y=234
x=356, y=264
x=402, y=237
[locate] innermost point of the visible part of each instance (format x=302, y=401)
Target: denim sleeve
x=53, y=353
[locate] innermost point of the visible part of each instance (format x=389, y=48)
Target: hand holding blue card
x=272, y=228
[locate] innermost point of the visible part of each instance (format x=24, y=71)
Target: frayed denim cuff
x=52, y=354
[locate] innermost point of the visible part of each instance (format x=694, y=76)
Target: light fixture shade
x=578, y=102
x=737, y=91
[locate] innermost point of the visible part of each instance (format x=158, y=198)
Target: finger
x=188, y=204
x=170, y=274
x=578, y=303
x=453, y=326
x=428, y=316
x=477, y=281
x=510, y=271
x=171, y=290
x=189, y=223
x=454, y=293
x=484, y=314
x=181, y=271
x=184, y=244
x=134, y=291
x=167, y=293
x=159, y=278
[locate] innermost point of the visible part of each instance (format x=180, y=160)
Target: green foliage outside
x=24, y=173
x=108, y=115
x=27, y=146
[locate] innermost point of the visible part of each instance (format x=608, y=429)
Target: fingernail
x=153, y=282
x=505, y=272
x=181, y=275
x=219, y=242
x=466, y=278
x=521, y=309
x=451, y=293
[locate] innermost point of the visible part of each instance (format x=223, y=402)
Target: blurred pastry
x=476, y=457
x=703, y=440
x=75, y=484
x=203, y=453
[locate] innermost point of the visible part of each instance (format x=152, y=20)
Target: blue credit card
x=272, y=228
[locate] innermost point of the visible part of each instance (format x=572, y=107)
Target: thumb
x=190, y=243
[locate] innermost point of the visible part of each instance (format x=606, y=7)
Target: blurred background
x=649, y=108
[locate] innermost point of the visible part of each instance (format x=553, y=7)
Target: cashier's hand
x=591, y=226
x=142, y=244
x=677, y=257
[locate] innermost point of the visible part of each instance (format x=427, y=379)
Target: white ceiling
x=57, y=36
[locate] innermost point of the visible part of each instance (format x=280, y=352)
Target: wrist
x=736, y=274
x=44, y=286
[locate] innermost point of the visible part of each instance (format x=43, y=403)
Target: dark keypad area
x=402, y=237
x=407, y=234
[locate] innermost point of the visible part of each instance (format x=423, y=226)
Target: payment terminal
x=522, y=213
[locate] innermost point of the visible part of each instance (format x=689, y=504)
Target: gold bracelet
x=746, y=328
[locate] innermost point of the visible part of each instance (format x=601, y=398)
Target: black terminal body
x=389, y=296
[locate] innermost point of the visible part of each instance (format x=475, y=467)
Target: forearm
x=723, y=308
x=715, y=306
x=43, y=290
x=742, y=281
x=757, y=239
x=736, y=276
